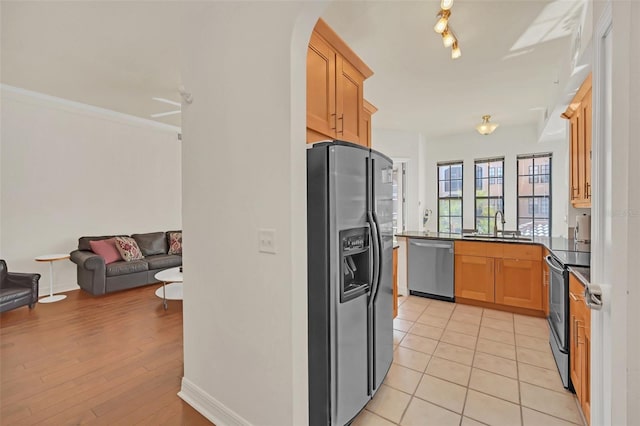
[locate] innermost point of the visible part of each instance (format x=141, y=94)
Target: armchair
x=17, y=289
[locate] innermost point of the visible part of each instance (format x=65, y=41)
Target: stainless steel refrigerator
x=350, y=293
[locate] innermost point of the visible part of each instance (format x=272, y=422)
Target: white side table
x=171, y=285
x=52, y=258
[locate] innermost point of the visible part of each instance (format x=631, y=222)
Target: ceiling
x=118, y=55
x=114, y=55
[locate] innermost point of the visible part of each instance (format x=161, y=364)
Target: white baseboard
x=209, y=407
x=43, y=290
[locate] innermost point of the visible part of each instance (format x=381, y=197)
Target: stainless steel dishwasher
x=430, y=268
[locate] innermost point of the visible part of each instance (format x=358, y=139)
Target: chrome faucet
x=495, y=223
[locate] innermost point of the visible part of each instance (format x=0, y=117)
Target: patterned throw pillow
x=175, y=242
x=128, y=248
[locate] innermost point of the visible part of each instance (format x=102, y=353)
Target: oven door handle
x=549, y=261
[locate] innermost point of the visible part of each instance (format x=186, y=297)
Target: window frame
x=534, y=178
x=497, y=179
x=460, y=198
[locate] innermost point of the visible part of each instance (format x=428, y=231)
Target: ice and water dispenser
x=355, y=260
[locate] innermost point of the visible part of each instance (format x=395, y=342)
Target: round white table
x=52, y=258
x=171, y=285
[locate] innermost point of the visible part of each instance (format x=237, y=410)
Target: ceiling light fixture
x=486, y=128
x=446, y=4
x=455, y=50
x=441, y=25
x=443, y=28
x=448, y=38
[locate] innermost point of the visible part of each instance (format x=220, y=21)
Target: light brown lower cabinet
x=580, y=349
x=518, y=283
x=545, y=283
x=501, y=274
x=474, y=278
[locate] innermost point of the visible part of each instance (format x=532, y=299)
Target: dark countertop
x=568, y=251
x=582, y=274
x=572, y=258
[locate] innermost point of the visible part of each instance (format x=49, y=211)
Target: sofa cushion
x=128, y=248
x=164, y=261
x=151, y=243
x=175, y=242
x=123, y=267
x=107, y=249
x=83, y=242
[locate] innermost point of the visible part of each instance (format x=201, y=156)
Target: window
x=489, y=193
x=534, y=194
x=450, y=197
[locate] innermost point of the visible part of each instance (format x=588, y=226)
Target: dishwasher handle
x=432, y=245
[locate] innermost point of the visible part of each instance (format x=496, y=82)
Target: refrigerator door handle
x=378, y=259
x=376, y=256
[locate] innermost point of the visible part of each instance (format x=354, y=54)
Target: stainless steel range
x=558, y=318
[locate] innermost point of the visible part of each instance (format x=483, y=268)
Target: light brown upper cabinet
x=335, y=89
x=579, y=114
x=369, y=110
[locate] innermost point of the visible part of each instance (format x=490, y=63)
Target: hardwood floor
x=113, y=360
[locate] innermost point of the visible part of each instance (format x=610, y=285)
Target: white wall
x=507, y=142
x=404, y=146
x=245, y=321
x=633, y=226
x=622, y=340
x=70, y=170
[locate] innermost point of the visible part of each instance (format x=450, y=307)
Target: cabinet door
x=586, y=365
x=474, y=278
x=518, y=283
x=576, y=336
x=587, y=118
x=349, y=108
x=545, y=284
x=366, y=117
x=575, y=358
x=574, y=159
x=321, y=89
x=581, y=155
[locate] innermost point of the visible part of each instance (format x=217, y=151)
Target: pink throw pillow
x=107, y=249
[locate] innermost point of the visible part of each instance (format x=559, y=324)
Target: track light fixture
x=446, y=4
x=455, y=51
x=443, y=28
x=448, y=38
x=443, y=20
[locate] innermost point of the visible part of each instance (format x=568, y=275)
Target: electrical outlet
x=267, y=240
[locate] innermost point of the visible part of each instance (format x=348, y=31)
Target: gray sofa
x=97, y=278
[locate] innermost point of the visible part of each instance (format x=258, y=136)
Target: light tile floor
x=463, y=365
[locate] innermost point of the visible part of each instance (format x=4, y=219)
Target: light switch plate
x=267, y=241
